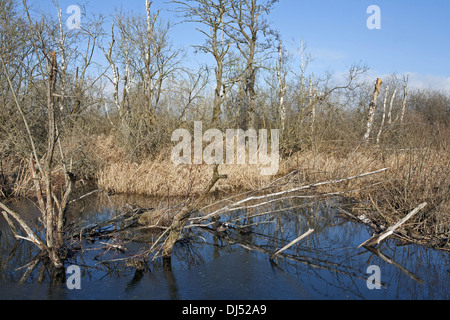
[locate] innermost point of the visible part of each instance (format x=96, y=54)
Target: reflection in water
x=233, y=263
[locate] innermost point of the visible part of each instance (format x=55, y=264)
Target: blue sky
x=414, y=37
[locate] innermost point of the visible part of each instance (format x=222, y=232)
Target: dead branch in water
x=378, y=238
x=395, y=264
x=181, y=218
x=292, y=243
x=167, y=239
x=31, y=235
x=234, y=205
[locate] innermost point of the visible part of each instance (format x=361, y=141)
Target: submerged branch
x=292, y=243
x=32, y=237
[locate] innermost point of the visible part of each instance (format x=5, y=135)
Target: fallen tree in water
x=180, y=220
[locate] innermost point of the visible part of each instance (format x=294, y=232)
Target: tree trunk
x=383, y=119
x=372, y=109
x=181, y=218
x=405, y=99
x=251, y=96
x=52, y=216
x=218, y=99
x=391, y=107
x=282, y=88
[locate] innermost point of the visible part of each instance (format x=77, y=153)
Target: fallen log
x=378, y=238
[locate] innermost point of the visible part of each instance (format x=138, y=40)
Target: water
x=234, y=266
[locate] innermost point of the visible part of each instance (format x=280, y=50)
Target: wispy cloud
x=416, y=80
x=429, y=82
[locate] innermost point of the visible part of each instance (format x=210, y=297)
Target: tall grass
x=159, y=176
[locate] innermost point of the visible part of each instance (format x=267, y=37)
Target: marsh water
x=233, y=266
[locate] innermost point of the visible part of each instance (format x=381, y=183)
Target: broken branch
x=376, y=239
x=292, y=243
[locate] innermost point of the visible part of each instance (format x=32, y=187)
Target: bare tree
x=115, y=73
x=212, y=14
x=52, y=207
x=312, y=94
x=147, y=54
x=391, y=106
x=305, y=60
x=248, y=28
x=141, y=51
x=45, y=37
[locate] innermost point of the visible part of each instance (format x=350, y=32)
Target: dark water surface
x=326, y=265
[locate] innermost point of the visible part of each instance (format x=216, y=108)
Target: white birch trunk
x=372, y=109
x=405, y=98
x=383, y=119
x=311, y=103
x=283, y=87
x=115, y=72
x=391, y=107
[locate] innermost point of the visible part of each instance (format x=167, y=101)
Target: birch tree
x=115, y=73
x=405, y=98
x=383, y=116
x=145, y=60
x=282, y=87
x=305, y=60
x=372, y=109
x=391, y=106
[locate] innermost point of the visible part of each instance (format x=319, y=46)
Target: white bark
x=383, y=119
x=405, y=98
x=311, y=103
x=372, y=109
x=282, y=87
x=378, y=238
x=115, y=71
x=391, y=107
